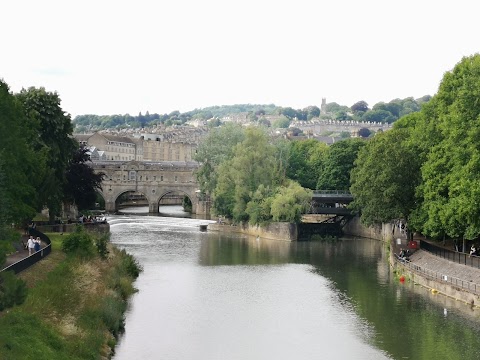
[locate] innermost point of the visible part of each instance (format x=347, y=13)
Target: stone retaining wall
x=384, y=232
x=436, y=286
x=276, y=231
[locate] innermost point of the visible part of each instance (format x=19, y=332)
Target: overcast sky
x=117, y=57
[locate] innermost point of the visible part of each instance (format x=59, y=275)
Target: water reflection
x=215, y=296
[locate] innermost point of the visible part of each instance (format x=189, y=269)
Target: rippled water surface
x=206, y=295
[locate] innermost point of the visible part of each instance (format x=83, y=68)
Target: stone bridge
x=153, y=179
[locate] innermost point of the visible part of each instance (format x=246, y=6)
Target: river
x=206, y=295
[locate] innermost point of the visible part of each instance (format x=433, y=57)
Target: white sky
x=117, y=57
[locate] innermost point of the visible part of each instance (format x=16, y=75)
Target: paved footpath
x=20, y=254
x=445, y=267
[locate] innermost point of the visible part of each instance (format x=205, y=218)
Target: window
x=176, y=178
x=132, y=175
x=161, y=177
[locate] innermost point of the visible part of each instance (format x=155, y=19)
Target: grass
x=74, y=309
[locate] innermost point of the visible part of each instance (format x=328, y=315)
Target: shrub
x=130, y=265
x=13, y=290
x=79, y=243
x=112, y=313
x=101, y=242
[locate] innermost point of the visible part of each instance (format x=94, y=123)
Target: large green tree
x=338, y=164
x=451, y=172
x=385, y=177
x=215, y=149
x=54, y=139
x=254, y=163
x=21, y=166
x=305, y=161
x=82, y=182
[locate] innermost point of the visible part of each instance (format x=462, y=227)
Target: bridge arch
x=153, y=179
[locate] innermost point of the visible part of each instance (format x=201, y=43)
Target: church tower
x=323, y=107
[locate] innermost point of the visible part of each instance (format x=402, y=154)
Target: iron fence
x=454, y=256
x=35, y=257
x=441, y=278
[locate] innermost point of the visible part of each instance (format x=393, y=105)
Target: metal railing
x=332, y=192
x=35, y=257
x=442, y=278
x=454, y=256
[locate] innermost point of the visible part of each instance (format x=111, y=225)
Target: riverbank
x=444, y=271
x=74, y=308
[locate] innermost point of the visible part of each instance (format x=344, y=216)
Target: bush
x=79, y=243
x=101, y=245
x=112, y=313
x=130, y=265
x=13, y=290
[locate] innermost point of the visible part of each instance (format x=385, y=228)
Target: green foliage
x=187, y=204
x=13, y=290
x=364, y=132
x=79, y=243
x=359, y=106
x=385, y=177
x=112, y=311
x=338, y=164
x=305, y=161
x=281, y=123
x=290, y=202
x=450, y=127
x=259, y=207
x=130, y=265
x=21, y=168
x=215, y=149
x=101, y=244
x=256, y=168
x=53, y=140
x=82, y=182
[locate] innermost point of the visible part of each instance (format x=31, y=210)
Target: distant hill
x=380, y=112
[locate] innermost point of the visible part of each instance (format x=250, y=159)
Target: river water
x=205, y=295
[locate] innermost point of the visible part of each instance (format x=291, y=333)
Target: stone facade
x=153, y=180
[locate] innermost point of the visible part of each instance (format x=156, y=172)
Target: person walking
x=37, y=243
x=31, y=245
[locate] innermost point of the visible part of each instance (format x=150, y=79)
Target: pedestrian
x=472, y=250
x=37, y=244
x=31, y=245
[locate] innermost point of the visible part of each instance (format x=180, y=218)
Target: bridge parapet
x=152, y=179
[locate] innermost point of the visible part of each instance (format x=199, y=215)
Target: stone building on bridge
x=154, y=180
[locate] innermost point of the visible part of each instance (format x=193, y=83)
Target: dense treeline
x=41, y=165
x=426, y=170
x=381, y=112
x=254, y=178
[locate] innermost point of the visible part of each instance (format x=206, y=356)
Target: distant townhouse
x=116, y=148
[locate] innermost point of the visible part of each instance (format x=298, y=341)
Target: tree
x=450, y=173
x=360, y=106
x=282, y=123
x=254, y=163
x=338, y=164
x=385, y=177
x=55, y=141
x=379, y=116
x=290, y=202
x=215, y=149
x=82, y=182
x=305, y=161
x=364, y=132
x=20, y=166
x=312, y=112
